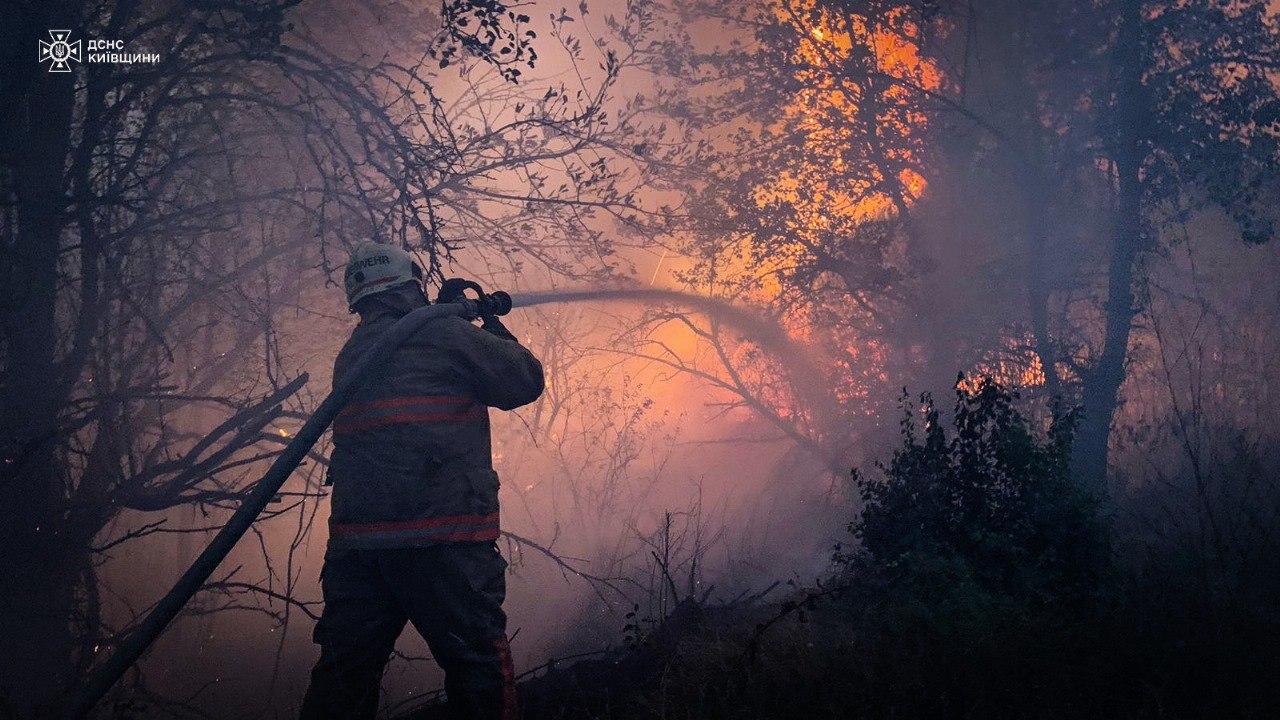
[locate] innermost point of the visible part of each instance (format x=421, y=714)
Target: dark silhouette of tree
x=1145, y=111
x=158, y=219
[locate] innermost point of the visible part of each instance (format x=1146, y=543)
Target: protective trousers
x=453, y=596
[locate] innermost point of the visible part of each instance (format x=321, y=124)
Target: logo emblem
x=61, y=52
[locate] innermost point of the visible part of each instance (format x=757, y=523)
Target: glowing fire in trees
x=858, y=127
x=1016, y=365
x=837, y=169
x=843, y=164
x=859, y=122
x=859, y=113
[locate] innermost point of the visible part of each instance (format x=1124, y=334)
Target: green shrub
x=988, y=510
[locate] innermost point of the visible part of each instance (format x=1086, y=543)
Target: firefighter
x=414, y=521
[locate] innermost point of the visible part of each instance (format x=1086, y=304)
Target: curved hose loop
x=132, y=647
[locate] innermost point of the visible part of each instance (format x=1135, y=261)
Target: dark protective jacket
x=411, y=463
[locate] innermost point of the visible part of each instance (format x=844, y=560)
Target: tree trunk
x=40, y=577
x=1102, y=381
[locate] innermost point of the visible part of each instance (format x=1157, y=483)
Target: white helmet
x=375, y=267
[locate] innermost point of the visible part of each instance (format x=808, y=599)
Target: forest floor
x=825, y=654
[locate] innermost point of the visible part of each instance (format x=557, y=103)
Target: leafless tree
x=162, y=222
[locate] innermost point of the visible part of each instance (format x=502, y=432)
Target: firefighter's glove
x=495, y=326
x=451, y=290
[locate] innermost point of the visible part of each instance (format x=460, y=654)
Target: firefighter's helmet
x=375, y=267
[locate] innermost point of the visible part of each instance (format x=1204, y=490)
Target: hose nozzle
x=497, y=302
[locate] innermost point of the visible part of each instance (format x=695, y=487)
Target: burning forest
x=640, y=359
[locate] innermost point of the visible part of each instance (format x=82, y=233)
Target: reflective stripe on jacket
x=411, y=462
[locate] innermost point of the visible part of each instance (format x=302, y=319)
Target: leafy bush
x=990, y=509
